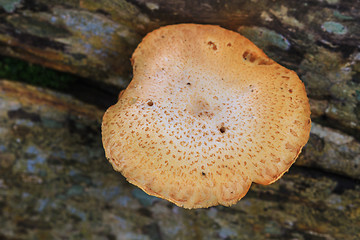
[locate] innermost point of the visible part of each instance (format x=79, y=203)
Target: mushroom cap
x=206, y=114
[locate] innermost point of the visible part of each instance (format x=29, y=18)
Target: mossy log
x=317, y=39
x=55, y=183
x=54, y=180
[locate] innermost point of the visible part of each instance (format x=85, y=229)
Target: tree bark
x=319, y=40
x=55, y=183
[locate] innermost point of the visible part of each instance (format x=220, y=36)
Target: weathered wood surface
x=54, y=180
x=317, y=38
x=56, y=184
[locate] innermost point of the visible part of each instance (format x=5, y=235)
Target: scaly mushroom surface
x=206, y=114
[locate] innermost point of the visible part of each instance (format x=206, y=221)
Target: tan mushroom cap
x=206, y=114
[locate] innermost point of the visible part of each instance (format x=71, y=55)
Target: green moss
x=263, y=37
x=341, y=16
x=9, y=5
x=334, y=27
x=38, y=27
x=18, y=70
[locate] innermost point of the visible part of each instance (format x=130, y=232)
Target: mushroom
x=206, y=114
